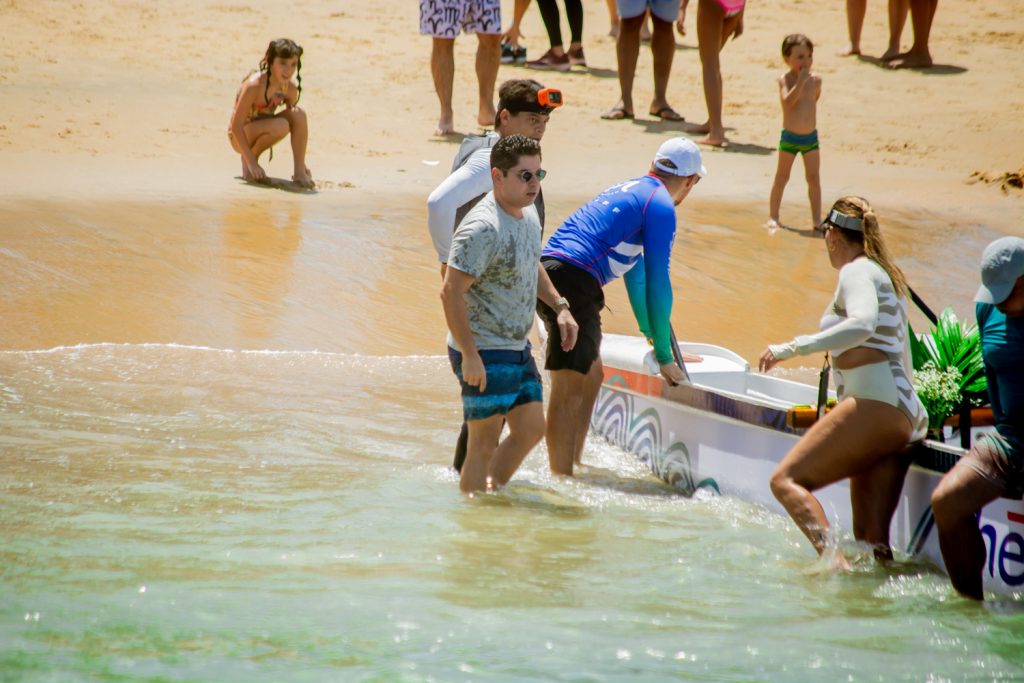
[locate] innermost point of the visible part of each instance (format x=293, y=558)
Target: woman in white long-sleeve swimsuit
x=865, y=437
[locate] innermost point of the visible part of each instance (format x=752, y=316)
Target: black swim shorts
x=586, y=299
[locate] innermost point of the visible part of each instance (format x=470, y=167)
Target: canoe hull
x=727, y=432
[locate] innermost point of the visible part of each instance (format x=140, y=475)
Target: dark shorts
x=586, y=299
x=996, y=459
x=512, y=380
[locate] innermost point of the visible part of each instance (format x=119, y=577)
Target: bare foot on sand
x=715, y=138
x=849, y=51
x=445, y=125
x=773, y=225
x=911, y=60
x=304, y=179
x=890, y=54
x=249, y=177
x=486, y=115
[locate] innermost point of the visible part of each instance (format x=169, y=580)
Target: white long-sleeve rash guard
x=865, y=312
x=467, y=182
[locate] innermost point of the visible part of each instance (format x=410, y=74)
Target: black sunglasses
x=527, y=176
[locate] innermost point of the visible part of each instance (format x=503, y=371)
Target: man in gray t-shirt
x=491, y=285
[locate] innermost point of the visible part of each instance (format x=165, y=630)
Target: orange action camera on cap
x=549, y=97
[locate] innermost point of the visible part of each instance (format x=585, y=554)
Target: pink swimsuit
x=731, y=7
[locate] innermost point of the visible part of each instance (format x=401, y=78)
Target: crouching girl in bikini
x=256, y=125
x=865, y=437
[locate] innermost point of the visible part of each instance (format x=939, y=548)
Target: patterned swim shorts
x=512, y=380
x=798, y=144
x=445, y=18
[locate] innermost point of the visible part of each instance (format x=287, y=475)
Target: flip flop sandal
x=617, y=114
x=668, y=114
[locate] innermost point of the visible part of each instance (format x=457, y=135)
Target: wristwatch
x=561, y=304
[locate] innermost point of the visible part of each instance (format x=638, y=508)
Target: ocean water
x=225, y=438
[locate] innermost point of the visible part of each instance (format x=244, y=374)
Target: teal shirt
x=1002, y=348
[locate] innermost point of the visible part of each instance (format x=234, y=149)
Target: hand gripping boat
x=727, y=429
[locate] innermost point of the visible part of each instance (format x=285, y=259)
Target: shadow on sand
x=933, y=70
x=279, y=184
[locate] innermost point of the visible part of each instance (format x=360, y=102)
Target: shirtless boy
x=799, y=90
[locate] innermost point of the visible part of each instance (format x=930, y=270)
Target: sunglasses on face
x=527, y=176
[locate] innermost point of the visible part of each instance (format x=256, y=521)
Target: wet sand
x=330, y=273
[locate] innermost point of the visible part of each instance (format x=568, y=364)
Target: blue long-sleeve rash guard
x=631, y=224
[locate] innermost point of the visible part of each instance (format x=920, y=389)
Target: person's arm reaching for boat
x=650, y=288
x=467, y=182
x=636, y=289
x=860, y=298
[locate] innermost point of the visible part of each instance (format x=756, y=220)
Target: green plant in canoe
x=947, y=358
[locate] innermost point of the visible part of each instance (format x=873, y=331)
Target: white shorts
x=447, y=18
x=885, y=381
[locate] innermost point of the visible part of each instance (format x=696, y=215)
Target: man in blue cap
x=994, y=466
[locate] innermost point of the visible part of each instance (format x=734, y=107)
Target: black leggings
x=552, y=20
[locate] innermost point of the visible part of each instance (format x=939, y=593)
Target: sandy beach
x=133, y=98
x=110, y=108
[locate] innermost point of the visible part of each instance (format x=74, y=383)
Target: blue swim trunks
x=666, y=10
x=512, y=380
x=798, y=144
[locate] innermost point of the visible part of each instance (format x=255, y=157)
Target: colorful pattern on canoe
x=615, y=419
x=933, y=458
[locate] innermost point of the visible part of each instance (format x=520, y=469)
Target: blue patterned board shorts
x=446, y=18
x=666, y=10
x=798, y=144
x=512, y=380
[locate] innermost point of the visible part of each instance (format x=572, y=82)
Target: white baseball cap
x=679, y=156
x=1001, y=264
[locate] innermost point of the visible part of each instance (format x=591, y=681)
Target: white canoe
x=727, y=430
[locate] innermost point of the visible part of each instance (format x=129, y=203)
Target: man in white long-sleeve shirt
x=524, y=106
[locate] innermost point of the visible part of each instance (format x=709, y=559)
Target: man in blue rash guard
x=626, y=231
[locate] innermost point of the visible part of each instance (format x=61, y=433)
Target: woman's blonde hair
x=870, y=238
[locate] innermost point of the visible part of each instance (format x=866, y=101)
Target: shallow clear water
x=235, y=467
